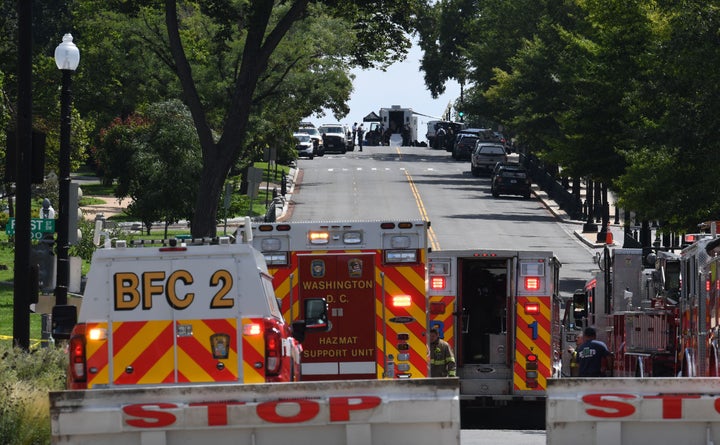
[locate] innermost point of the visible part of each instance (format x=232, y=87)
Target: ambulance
x=182, y=312
x=500, y=311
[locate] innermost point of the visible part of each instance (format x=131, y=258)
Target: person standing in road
x=360, y=134
x=354, y=133
x=442, y=360
x=594, y=358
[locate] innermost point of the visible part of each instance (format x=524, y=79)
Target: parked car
x=309, y=129
x=485, y=156
x=304, y=145
x=510, y=179
x=334, y=138
x=481, y=134
x=464, y=147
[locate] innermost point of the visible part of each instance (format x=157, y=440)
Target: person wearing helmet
x=442, y=360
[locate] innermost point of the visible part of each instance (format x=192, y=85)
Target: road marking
x=432, y=238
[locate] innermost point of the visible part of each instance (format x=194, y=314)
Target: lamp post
x=67, y=58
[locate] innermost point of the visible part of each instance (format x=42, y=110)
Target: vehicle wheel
x=526, y=196
x=312, y=157
x=495, y=194
x=343, y=151
x=475, y=171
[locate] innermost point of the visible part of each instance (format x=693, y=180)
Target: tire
x=312, y=157
x=475, y=171
x=526, y=196
x=495, y=194
x=343, y=151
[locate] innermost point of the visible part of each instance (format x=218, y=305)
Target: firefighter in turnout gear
x=442, y=360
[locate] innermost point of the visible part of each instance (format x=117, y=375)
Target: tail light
x=77, y=377
x=273, y=351
x=531, y=370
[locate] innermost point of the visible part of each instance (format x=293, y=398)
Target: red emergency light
x=437, y=283
x=532, y=283
x=532, y=308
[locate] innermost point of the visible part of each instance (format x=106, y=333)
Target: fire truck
x=633, y=304
x=372, y=275
x=500, y=311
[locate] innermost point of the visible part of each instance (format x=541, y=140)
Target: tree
x=156, y=159
x=380, y=29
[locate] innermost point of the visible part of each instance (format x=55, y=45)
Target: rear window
x=491, y=150
x=513, y=173
x=468, y=141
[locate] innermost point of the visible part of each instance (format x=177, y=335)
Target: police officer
x=442, y=360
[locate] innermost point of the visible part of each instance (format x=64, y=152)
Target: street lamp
x=67, y=58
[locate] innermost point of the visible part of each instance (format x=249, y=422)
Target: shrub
x=25, y=379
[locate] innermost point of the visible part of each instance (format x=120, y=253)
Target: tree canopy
x=622, y=92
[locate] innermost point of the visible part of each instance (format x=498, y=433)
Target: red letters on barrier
x=158, y=415
x=610, y=406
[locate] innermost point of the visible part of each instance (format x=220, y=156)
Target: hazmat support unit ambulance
x=184, y=342
x=372, y=275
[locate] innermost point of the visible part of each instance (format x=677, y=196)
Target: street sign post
x=38, y=227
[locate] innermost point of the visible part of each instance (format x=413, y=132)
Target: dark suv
x=510, y=179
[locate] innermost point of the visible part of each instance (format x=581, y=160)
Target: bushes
x=25, y=379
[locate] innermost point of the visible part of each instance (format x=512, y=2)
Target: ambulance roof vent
x=224, y=240
x=120, y=244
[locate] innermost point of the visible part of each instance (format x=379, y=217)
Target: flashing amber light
x=532, y=308
x=437, y=283
x=97, y=334
x=402, y=301
x=405, y=225
x=252, y=329
x=532, y=283
x=265, y=228
x=319, y=237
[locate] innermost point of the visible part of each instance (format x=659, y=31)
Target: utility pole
x=23, y=179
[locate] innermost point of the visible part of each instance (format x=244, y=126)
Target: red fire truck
x=372, y=275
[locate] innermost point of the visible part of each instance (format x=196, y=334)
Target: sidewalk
x=590, y=239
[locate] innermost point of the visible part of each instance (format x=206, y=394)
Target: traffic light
x=461, y=114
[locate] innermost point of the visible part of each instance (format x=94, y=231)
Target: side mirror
x=316, y=319
x=64, y=319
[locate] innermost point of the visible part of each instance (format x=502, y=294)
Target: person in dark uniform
x=594, y=358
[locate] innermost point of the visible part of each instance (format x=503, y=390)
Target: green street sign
x=38, y=227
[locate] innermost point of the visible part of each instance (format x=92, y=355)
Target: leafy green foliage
x=25, y=379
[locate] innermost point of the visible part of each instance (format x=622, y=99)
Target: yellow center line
x=434, y=244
